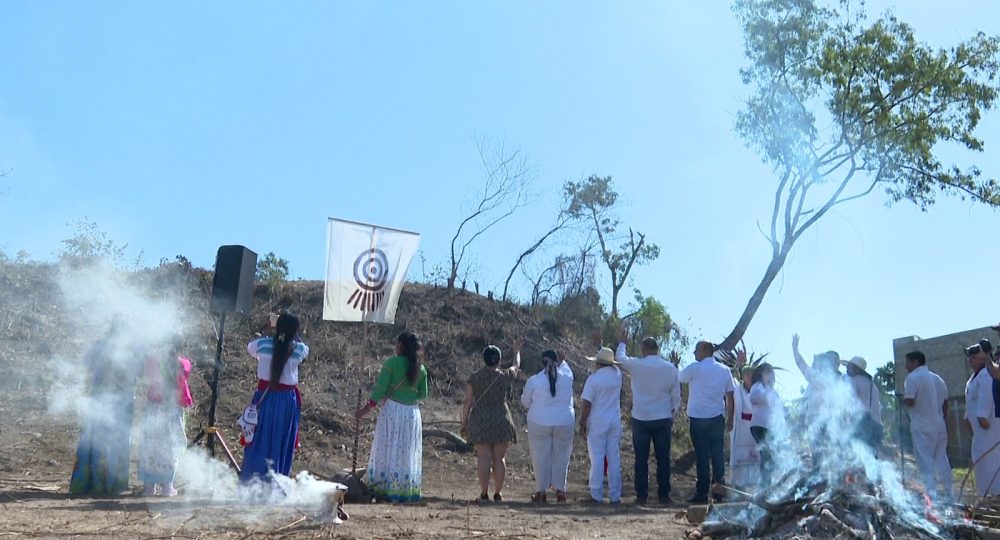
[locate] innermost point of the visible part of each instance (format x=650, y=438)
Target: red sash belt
x=264, y=385
x=746, y=416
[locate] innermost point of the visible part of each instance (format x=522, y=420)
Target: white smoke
x=821, y=445
x=135, y=322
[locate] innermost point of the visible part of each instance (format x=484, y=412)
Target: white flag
x=365, y=269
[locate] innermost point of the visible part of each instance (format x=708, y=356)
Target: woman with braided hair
x=548, y=395
x=395, y=468
x=278, y=401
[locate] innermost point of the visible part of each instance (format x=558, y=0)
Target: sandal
x=497, y=497
x=484, y=497
x=560, y=496
x=539, y=498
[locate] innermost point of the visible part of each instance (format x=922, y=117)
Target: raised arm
x=516, y=367
x=676, y=393
x=621, y=354
x=799, y=361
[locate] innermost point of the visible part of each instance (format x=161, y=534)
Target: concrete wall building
x=946, y=357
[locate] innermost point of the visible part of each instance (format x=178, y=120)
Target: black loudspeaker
x=232, y=286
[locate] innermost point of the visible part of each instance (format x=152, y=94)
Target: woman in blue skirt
x=279, y=404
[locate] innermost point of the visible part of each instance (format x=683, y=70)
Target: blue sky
x=181, y=126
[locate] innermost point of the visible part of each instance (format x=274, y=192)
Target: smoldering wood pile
x=853, y=510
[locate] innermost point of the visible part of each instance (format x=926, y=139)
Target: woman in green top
x=395, y=465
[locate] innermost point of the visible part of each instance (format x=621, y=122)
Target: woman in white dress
x=768, y=417
x=744, y=459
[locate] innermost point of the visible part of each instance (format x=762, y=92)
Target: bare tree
x=503, y=192
x=563, y=221
x=568, y=276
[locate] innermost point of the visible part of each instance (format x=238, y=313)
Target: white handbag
x=248, y=420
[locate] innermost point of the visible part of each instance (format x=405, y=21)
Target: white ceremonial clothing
x=928, y=393
x=768, y=409
x=985, y=442
x=544, y=409
x=602, y=443
x=551, y=448
x=656, y=387
x=744, y=460
x=928, y=428
x=931, y=448
x=708, y=383
x=603, y=390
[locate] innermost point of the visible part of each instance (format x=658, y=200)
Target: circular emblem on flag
x=371, y=273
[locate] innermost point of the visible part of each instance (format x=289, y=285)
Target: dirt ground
x=35, y=504
x=37, y=447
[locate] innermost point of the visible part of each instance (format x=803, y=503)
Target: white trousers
x=605, y=442
x=551, y=448
x=986, y=456
x=931, y=448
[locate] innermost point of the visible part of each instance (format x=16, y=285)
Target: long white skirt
x=744, y=459
x=395, y=465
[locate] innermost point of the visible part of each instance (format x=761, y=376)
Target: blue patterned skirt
x=273, y=446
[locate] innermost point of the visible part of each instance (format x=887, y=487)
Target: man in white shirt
x=926, y=397
x=980, y=412
x=656, y=396
x=710, y=408
x=601, y=424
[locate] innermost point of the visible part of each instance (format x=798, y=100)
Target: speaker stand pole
x=215, y=383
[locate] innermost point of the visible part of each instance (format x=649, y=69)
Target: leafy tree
x=272, y=270
x=581, y=310
x=651, y=319
x=885, y=378
x=842, y=106
x=594, y=201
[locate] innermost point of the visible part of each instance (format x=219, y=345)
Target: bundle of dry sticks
x=852, y=509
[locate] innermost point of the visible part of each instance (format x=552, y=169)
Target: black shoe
x=666, y=501
x=718, y=498
x=640, y=501
x=698, y=499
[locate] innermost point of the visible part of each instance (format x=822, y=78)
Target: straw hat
x=605, y=357
x=857, y=362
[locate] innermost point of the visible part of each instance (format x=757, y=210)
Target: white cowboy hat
x=857, y=362
x=605, y=357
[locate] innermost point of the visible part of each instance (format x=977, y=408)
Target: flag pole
x=357, y=421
